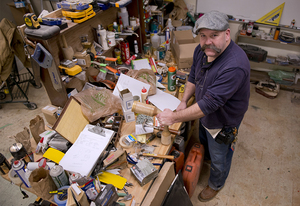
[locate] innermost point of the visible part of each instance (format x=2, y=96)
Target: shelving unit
x=262, y=75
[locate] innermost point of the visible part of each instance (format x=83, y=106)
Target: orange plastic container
x=179, y=159
x=192, y=168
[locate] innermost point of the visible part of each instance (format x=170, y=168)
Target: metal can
x=74, y=177
x=160, y=53
x=19, y=167
x=118, y=56
x=171, y=78
x=59, y=176
x=125, y=52
x=147, y=48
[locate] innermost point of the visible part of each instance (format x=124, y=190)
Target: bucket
x=111, y=39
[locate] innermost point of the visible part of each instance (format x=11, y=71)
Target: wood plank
x=71, y=122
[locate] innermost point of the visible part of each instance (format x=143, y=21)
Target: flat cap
x=213, y=20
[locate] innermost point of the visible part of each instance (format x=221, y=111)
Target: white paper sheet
x=163, y=100
x=84, y=153
x=141, y=64
x=134, y=86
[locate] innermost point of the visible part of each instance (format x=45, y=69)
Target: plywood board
x=71, y=121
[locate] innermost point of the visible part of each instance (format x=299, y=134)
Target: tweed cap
x=213, y=20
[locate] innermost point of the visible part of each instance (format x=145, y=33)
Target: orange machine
x=192, y=168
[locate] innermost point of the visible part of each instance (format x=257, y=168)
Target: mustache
x=205, y=46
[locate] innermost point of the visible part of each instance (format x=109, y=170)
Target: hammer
x=149, y=110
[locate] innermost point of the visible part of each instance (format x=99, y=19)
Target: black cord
x=23, y=192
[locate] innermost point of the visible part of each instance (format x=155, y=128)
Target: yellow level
x=273, y=17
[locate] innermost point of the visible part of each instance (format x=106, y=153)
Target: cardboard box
x=158, y=190
x=127, y=99
x=83, y=59
x=49, y=112
x=129, y=116
x=183, y=45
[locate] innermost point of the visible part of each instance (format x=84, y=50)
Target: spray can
x=167, y=34
x=98, y=33
x=171, y=78
x=125, y=52
x=74, y=177
x=19, y=167
x=59, y=176
x=133, y=57
x=116, y=29
x=136, y=48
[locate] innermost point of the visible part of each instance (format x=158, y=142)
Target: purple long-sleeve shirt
x=222, y=86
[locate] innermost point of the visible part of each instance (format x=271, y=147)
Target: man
x=220, y=79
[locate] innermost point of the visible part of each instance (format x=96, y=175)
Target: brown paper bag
x=81, y=198
x=24, y=138
x=37, y=126
x=42, y=183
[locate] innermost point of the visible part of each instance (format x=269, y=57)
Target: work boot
x=207, y=194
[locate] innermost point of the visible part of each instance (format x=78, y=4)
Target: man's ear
x=227, y=35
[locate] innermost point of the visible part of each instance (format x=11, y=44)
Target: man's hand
x=166, y=117
x=181, y=106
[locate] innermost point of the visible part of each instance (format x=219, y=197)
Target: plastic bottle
x=144, y=95
x=136, y=48
x=125, y=16
x=116, y=29
x=276, y=33
x=169, y=25
x=249, y=28
x=171, y=78
x=98, y=33
x=155, y=40
x=121, y=24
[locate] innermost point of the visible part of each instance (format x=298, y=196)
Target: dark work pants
x=220, y=156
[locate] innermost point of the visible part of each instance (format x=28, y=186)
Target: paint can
x=4, y=165
x=59, y=176
x=160, y=53
x=125, y=51
x=147, y=48
x=132, y=22
x=118, y=56
x=19, y=167
x=19, y=152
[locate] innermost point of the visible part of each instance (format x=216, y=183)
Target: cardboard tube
x=146, y=109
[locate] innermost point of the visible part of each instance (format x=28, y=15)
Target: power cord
x=23, y=192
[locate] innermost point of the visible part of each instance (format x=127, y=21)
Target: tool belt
x=227, y=135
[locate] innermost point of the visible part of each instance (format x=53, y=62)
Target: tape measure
x=31, y=21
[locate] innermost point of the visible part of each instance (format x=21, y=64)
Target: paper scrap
x=163, y=100
x=133, y=85
x=54, y=155
x=115, y=180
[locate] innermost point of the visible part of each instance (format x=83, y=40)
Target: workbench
x=136, y=190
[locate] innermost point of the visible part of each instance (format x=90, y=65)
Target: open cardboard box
x=183, y=45
x=71, y=121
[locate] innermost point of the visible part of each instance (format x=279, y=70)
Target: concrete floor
x=265, y=167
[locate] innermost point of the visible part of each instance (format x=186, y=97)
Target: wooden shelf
x=256, y=39
x=275, y=66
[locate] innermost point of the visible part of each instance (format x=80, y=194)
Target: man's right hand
x=181, y=106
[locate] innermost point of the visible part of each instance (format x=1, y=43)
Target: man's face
x=213, y=43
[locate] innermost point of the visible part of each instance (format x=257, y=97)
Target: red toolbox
x=192, y=168
x=178, y=159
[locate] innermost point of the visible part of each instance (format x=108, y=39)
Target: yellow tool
x=31, y=21
x=273, y=17
x=70, y=71
x=79, y=16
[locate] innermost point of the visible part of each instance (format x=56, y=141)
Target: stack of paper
x=84, y=153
